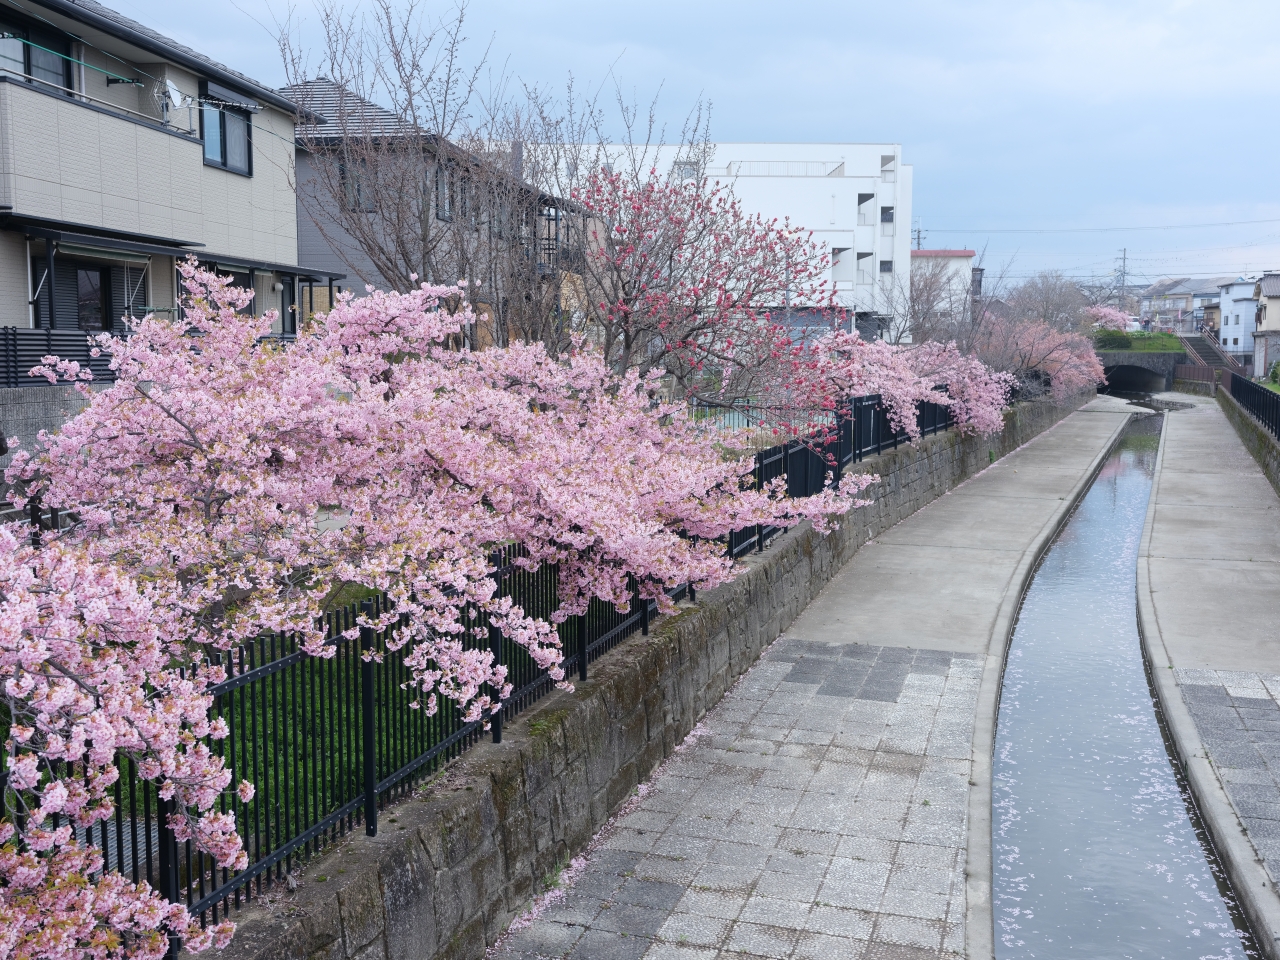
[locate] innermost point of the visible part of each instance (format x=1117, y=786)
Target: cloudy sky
x=1052, y=134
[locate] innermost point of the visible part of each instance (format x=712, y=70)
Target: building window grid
x=228, y=138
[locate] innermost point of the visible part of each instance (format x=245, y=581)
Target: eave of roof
x=944, y=253
x=114, y=24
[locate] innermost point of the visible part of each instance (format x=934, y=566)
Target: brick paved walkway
x=823, y=817
x=1238, y=717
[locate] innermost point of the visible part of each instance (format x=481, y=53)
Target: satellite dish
x=176, y=96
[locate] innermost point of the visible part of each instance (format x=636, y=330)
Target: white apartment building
x=1239, y=308
x=854, y=197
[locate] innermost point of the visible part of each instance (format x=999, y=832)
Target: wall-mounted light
x=277, y=287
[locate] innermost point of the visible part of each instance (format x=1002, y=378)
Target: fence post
x=582, y=647
x=495, y=646
x=168, y=864
x=33, y=509
x=366, y=703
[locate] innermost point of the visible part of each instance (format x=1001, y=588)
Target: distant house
x=125, y=152
x=1182, y=304
x=380, y=199
x=958, y=262
x=1239, y=308
x=1266, y=335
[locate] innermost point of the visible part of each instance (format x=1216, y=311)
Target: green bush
x=1112, y=340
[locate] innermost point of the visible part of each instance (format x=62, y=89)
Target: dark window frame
x=886, y=266
x=41, y=37
x=104, y=296
x=224, y=103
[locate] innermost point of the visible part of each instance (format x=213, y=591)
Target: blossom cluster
x=1107, y=318
x=91, y=672
x=841, y=365
x=678, y=278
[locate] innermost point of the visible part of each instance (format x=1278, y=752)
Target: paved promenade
x=823, y=809
x=1209, y=605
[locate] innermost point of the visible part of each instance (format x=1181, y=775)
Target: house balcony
x=71, y=160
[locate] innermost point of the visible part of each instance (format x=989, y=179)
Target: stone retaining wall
x=1201, y=388
x=25, y=411
x=1261, y=444
x=454, y=865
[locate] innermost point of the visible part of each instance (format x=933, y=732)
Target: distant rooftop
x=944, y=253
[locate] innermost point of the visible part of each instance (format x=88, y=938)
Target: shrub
x=1112, y=340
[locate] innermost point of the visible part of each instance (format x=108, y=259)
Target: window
x=91, y=309
x=865, y=210
x=887, y=168
x=684, y=170
x=864, y=268
x=47, y=66
x=13, y=56
x=444, y=193
x=226, y=127
x=886, y=266
x=1235, y=341
x=886, y=221
x=42, y=58
x=355, y=185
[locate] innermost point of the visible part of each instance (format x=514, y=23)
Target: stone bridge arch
x=1139, y=372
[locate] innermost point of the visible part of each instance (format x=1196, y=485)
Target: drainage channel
x=1096, y=846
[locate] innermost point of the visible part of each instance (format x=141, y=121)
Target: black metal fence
x=1259, y=401
x=329, y=742
x=23, y=348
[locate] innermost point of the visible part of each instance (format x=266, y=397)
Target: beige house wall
x=66, y=161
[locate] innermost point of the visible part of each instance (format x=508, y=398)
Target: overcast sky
x=1019, y=115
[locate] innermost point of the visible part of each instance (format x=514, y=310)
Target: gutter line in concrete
x=1249, y=881
x=979, y=915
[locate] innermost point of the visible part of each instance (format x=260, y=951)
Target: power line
x=1170, y=226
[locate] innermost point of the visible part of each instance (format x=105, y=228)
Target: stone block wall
x=25, y=411
x=452, y=866
x=1261, y=444
x=1201, y=388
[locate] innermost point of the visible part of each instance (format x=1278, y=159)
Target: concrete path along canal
x=1209, y=609
x=836, y=803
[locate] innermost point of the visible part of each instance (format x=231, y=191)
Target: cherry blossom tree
x=1040, y=357
x=94, y=670
x=678, y=279
x=841, y=365
x=1107, y=318
x=254, y=479
x=227, y=483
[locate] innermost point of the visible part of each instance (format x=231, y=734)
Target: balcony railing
x=22, y=348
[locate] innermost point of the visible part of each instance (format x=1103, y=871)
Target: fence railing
x=329, y=742
x=1262, y=403
x=22, y=348
x=1192, y=371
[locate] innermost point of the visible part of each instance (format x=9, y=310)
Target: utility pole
x=1124, y=265
x=918, y=235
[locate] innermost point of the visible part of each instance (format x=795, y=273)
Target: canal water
x=1096, y=849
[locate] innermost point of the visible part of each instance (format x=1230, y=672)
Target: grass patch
x=1142, y=343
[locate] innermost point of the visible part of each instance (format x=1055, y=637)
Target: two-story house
x=121, y=153
x=1266, y=334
